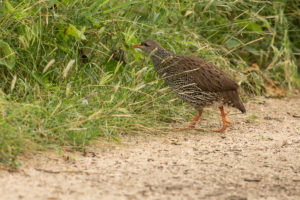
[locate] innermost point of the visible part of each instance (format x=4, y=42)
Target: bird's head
x=149, y=46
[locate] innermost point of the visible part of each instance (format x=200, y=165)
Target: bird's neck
x=160, y=55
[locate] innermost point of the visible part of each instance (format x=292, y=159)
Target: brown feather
x=207, y=76
x=195, y=80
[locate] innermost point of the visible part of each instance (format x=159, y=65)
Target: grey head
x=156, y=51
x=150, y=46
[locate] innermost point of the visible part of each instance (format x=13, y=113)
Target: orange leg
x=196, y=118
x=225, y=121
x=193, y=123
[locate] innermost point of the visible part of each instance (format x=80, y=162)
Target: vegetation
x=69, y=74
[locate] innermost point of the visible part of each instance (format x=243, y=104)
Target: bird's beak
x=138, y=46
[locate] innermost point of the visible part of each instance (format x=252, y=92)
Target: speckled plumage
x=195, y=80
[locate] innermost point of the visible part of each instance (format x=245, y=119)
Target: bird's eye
x=145, y=44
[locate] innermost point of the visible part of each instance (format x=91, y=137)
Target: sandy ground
x=258, y=157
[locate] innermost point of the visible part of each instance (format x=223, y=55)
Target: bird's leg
x=224, y=120
x=225, y=114
x=196, y=118
x=193, y=123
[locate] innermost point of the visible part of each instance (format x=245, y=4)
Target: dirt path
x=257, y=158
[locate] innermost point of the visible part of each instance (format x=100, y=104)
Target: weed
x=60, y=84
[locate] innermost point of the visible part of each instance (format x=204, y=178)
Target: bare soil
x=258, y=157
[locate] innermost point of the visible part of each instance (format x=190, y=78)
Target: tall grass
x=61, y=85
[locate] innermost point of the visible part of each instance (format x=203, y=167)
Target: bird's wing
x=207, y=76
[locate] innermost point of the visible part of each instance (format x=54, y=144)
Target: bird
x=195, y=80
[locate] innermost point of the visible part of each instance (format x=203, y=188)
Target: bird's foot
x=221, y=130
x=193, y=123
x=191, y=126
x=224, y=118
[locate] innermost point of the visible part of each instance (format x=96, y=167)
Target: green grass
x=61, y=87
